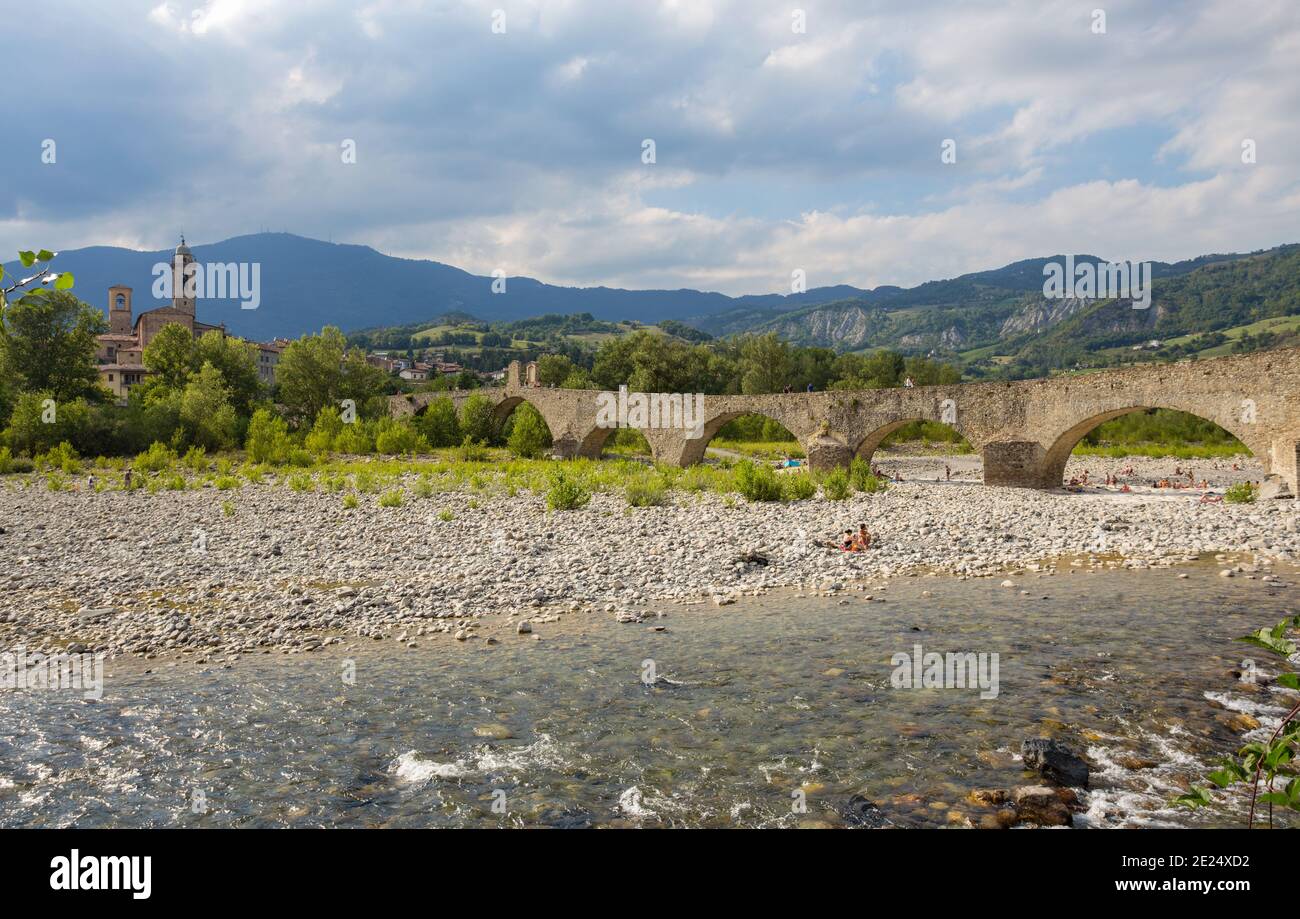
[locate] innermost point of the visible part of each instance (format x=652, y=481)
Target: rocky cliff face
x=844, y=328
x=1042, y=314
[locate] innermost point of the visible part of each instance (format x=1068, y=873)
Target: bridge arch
x=693, y=448
x=868, y=446
x=504, y=412
x=1059, y=449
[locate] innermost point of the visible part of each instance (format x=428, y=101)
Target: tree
x=328, y=426
x=529, y=434
x=49, y=345
x=206, y=409
x=320, y=370
x=478, y=419
x=268, y=438
x=170, y=355
x=764, y=364
x=553, y=369
x=237, y=361
x=438, y=423
x=39, y=422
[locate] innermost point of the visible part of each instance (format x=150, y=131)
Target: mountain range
x=308, y=283
x=993, y=318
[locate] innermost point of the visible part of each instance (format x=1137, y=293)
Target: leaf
x=1278, y=755
x=63, y=281
x=1275, y=797
x=1264, y=639
x=1222, y=777
x=1289, y=680
x=27, y=257
x=1197, y=797
x=44, y=255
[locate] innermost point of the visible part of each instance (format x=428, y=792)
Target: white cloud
x=775, y=149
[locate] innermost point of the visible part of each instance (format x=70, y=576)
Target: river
x=771, y=712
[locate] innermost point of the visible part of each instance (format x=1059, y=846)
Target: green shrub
x=756, y=483
x=365, y=482
x=864, y=479
x=350, y=502
x=175, y=482
x=478, y=419
x=1241, y=493
x=423, y=489
x=62, y=457
x=268, y=438
x=6, y=461
x=300, y=457
x=392, y=438
x=836, y=485
x=391, y=498
x=445, y=515
x=196, y=459
x=566, y=493
x=354, y=438
x=797, y=486
x=472, y=451
x=226, y=482
x=21, y=465
x=302, y=481
x=696, y=478
x=646, y=490
x=529, y=435
x=158, y=458
x=326, y=429
x=439, y=424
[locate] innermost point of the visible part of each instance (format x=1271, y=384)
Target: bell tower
x=119, y=310
x=182, y=295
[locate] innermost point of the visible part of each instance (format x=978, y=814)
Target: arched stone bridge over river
x=1024, y=430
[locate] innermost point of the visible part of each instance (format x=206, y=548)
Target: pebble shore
x=171, y=573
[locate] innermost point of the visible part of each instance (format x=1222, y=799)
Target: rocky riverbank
x=214, y=574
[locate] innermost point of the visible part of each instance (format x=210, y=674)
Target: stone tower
x=182, y=296
x=119, y=310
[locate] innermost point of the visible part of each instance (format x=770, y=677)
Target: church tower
x=119, y=310
x=182, y=296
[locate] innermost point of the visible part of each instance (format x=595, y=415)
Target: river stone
x=861, y=812
x=1039, y=804
x=1055, y=762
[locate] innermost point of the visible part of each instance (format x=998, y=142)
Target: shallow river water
x=771, y=712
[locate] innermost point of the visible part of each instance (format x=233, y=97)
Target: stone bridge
x=1024, y=430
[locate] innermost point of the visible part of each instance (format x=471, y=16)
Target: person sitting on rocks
x=846, y=542
x=863, y=539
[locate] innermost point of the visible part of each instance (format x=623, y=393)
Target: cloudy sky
x=775, y=149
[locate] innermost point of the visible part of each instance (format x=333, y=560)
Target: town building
x=121, y=350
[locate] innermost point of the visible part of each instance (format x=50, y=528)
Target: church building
x=121, y=349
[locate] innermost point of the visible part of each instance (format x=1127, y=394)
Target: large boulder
x=1055, y=762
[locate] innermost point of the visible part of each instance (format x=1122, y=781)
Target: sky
x=802, y=136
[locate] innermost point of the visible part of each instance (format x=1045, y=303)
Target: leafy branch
x=62, y=280
x=1267, y=760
